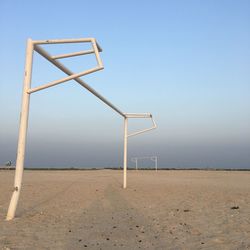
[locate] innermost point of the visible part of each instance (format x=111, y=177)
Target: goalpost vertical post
x=22, y=132
x=125, y=152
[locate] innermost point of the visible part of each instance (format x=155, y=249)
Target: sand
x=163, y=210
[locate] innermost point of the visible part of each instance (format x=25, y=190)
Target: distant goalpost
x=152, y=158
x=37, y=46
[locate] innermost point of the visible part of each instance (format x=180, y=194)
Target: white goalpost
x=36, y=45
x=152, y=158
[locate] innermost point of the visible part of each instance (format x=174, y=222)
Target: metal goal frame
x=35, y=45
x=152, y=158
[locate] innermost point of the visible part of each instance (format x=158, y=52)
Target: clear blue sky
x=187, y=62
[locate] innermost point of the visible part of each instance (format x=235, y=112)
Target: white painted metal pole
x=125, y=152
x=138, y=115
x=58, y=41
x=95, y=48
x=78, y=40
x=22, y=132
x=136, y=166
x=156, y=164
x=144, y=130
x=65, y=79
x=80, y=53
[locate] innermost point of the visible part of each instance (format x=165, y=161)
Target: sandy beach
x=159, y=210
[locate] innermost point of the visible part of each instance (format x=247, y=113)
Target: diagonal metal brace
x=144, y=130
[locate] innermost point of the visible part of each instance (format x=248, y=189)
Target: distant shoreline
x=113, y=168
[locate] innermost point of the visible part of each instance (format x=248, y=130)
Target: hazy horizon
x=185, y=62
